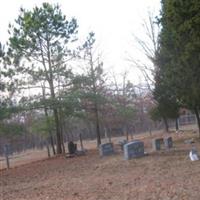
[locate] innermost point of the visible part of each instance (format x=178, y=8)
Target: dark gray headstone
x=106, y=149
x=72, y=148
x=133, y=149
x=156, y=143
x=168, y=142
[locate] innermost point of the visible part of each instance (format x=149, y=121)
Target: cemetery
x=100, y=100
x=110, y=172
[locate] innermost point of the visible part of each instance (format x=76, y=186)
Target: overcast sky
x=113, y=21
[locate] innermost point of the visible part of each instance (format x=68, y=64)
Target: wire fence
x=187, y=119
x=16, y=151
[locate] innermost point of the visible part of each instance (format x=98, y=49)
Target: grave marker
x=168, y=142
x=156, y=143
x=133, y=149
x=72, y=148
x=106, y=149
x=194, y=154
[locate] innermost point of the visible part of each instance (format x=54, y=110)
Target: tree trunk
x=50, y=80
x=198, y=118
x=166, y=124
x=177, y=124
x=56, y=118
x=97, y=125
x=150, y=132
x=7, y=162
x=126, y=133
x=94, y=89
x=52, y=144
x=91, y=135
x=81, y=141
x=58, y=134
x=61, y=129
x=109, y=135
x=131, y=135
x=48, y=150
x=48, y=124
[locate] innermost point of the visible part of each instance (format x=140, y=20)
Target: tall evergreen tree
x=179, y=51
x=42, y=38
x=94, y=82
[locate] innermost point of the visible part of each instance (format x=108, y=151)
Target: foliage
x=91, y=85
x=44, y=38
x=11, y=129
x=166, y=100
x=155, y=114
x=40, y=126
x=178, y=54
x=180, y=44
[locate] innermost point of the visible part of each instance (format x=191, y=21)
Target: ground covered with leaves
x=167, y=174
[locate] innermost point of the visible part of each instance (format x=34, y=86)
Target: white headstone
x=193, y=155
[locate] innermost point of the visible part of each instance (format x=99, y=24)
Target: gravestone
x=72, y=148
x=194, y=154
x=156, y=143
x=133, y=149
x=106, y=149
x=168, y=142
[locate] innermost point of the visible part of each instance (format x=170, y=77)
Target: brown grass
x=160, y=175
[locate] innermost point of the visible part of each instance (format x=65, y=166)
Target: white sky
x=113, y=21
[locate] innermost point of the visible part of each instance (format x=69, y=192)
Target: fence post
x=81, y=141
x=6, y=152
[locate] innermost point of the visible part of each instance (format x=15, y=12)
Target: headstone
x=133, y=149
x=156, y=143
x=72, y=148
x=106, y=149
x=168, y=142
x=193, y=155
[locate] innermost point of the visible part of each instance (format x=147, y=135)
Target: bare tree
x=148, y=46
